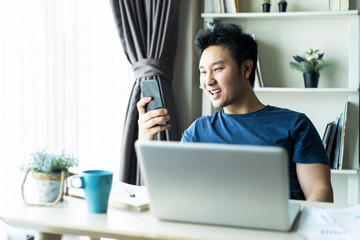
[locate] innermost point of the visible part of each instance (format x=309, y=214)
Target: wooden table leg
x=47, y=236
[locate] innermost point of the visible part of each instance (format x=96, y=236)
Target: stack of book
x=334, y=139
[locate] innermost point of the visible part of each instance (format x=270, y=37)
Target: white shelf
x=306, y=90
x=344, y=171
x=260, y=15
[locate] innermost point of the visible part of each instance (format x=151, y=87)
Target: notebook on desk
x=221, y=184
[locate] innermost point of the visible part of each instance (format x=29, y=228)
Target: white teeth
x=215, y=91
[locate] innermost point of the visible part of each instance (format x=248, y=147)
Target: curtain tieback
x=152, y=67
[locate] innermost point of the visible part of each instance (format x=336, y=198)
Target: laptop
x=219, y=184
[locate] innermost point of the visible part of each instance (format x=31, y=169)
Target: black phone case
x=150, y=88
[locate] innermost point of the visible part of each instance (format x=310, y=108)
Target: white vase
x=48, y=190
x=48, y=186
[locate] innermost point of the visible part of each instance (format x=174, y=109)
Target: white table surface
x=71, y=217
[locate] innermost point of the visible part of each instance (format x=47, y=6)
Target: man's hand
x=148, y=121
x=314, y=179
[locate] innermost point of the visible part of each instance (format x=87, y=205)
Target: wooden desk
x=71, y=217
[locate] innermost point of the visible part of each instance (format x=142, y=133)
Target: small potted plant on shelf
x=282, y=5
x=310, y=64
x=50, y=170
x=266, y=5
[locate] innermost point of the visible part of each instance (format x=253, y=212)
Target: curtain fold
x=148, y=33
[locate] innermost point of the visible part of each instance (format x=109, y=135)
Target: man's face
x=220, y=77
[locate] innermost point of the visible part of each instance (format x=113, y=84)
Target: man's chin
x=216, y=105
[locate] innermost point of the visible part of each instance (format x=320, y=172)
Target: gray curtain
x=148, y=34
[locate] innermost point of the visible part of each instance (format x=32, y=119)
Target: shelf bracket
x=209, y=23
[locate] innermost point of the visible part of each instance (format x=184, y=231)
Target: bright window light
x=64, y=84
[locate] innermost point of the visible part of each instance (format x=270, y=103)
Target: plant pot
x=266, y=7
x=49, y=186
x=311, y=79
x=282, y=7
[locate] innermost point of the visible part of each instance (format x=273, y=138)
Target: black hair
x=242, y=46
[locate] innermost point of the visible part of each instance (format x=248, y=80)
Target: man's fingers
x=154, y=114
x=152, y=118
x=148, y=122
x=142, y=103
x=159, y=128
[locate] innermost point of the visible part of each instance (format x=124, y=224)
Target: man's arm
x=314, y=179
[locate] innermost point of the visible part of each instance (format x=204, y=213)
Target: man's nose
x=209, y=79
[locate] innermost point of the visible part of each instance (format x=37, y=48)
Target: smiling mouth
x=215, y=91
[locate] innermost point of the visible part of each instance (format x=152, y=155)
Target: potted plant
x=50, y=170
x=282, y=5
x=266, y=5
x=310, y=64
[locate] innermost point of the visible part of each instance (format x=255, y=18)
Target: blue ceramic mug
x=97, y=186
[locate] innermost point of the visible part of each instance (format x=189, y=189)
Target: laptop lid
x=222, y=184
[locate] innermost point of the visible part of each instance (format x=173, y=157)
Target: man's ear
x=246, y=68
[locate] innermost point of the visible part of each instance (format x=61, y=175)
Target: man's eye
x=218, y=69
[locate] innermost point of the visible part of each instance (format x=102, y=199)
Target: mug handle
x=75, y=177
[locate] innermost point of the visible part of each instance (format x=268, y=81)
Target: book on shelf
x=122, y=196
x=237, y=5
x=231, y=6
x=338, y=142
x=326, y=136
x=344, y=5
x=329, y=133
x=225, y=6
x=329, y=139
x=339, y=5
x=334, y=139
x=343, y=135
x=221, y=6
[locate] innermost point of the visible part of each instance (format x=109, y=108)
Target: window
x=64, y=84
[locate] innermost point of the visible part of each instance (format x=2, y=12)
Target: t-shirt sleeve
x=308, y=147
x=188, y=134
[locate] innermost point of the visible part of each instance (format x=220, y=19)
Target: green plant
x=45, y=162
x=267, y=1
x=282, y=1
x=312, y=62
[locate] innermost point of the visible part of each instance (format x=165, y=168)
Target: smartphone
x=151, y=88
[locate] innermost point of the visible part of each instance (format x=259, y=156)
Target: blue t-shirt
x=268, y=126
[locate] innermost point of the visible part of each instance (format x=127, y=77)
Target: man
x=227, y=74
